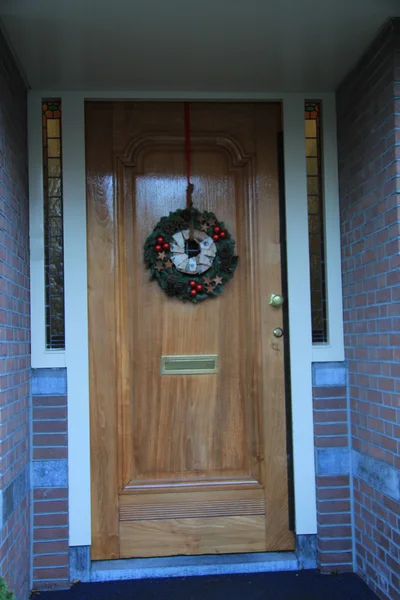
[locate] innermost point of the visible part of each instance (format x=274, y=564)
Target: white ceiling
x=191, y=45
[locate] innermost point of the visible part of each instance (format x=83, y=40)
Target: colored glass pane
x=53, y=225
x=311, y=147
x=311, y=129
x=312, y=166
x=53, y=128
x=315, y=244
x=53, y=147
x=313, y=186
x=315, y=222
x=313, y=205
x=54, y=188
x=54, y=167
x=314, y=261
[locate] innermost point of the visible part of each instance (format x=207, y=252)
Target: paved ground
x=304, y=585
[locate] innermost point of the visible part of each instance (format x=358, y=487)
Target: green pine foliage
x=175, y=283
x=5, y=593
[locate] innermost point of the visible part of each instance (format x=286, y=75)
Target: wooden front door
x=184, y=464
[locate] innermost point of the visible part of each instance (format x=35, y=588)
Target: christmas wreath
x=191, y=255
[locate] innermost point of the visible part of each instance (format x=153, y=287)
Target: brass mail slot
x=190, y=364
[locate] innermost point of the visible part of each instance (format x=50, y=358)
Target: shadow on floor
x=303, y=585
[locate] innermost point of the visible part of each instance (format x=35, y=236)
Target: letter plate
x=190, y=364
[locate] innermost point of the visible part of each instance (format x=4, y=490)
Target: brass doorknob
x=278, y=332
x=276, y=300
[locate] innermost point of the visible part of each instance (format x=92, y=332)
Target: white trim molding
x=76, y=316
x=298, y=275
x=41, y=357
x=75, y=357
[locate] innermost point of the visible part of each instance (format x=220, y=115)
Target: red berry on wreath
x=216, y=237
x=217, y=229
x=193, y=292
x=199, y=287
x=192, y=284
x=222, y=234
x=160, y=240
x=158, y=248
x=166, y=246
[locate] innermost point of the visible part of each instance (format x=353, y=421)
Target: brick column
x=50, y=480
x=331, y=434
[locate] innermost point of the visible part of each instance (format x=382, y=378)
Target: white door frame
x=75, y=357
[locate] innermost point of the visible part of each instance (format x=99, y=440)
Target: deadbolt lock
x=276, y=300
x=278, y=332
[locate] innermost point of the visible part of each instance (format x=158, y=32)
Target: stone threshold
x=191, y=566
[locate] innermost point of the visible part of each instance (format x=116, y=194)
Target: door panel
x=184, y=464
x=194, y=536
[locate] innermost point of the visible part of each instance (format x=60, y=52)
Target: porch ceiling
x=183, y=45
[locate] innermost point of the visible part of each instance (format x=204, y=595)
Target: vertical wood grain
x=273, y=383
x=102, y=330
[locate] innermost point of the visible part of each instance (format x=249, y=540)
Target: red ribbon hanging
x=189, y=189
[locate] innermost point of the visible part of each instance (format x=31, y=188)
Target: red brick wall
x=368, y=104
x=50, y=539
x=14, y=330
x=331, y=435
x=50, y=483
x=377, y=533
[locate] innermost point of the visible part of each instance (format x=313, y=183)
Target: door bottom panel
x=212, y=535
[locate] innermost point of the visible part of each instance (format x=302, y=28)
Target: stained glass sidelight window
x=316, y=222
x=53, y=225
